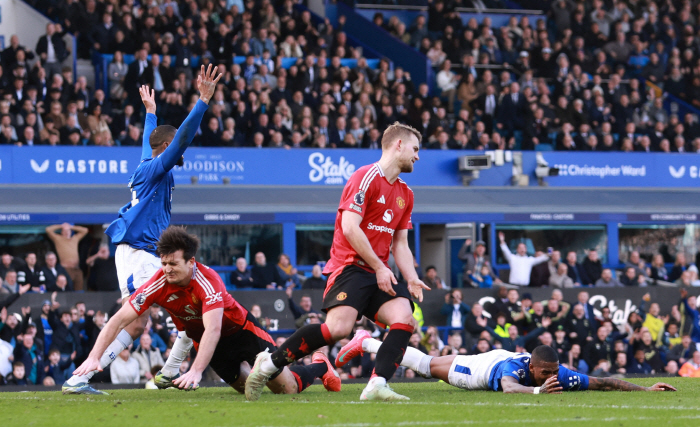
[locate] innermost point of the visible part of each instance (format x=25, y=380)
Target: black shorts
x=357, y=288
x=239, y=347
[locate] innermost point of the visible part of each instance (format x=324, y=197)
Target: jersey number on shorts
x=463, y=370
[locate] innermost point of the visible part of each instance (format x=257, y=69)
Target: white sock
x=376, y=381
x=123, y=341
x=178, y=354
x=370, y=345
x=412, y=358
x=268, y=367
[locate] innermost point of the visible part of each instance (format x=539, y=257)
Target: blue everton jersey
x=143, y=219
x=518, y=368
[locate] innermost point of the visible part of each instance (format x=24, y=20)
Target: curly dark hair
x=175, y=239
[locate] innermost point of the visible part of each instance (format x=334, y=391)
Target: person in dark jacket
x=265, y=275
x=598, y=349
x=576, y=271
x=638, y=365
x=51, y=270
x=66, y=335
x=316, y=281
x=304, y=312
x=242, y=277
x=32, y=358
x=55, y=367
x=593, y=267
x=454, y=309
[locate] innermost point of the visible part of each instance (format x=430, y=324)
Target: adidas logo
x=173, y=297
x=381, y=200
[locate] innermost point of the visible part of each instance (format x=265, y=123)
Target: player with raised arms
x=373, y=219
x=140, y=222
x=227, y=336
x=496, y=370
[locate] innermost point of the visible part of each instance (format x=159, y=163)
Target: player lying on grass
x=227, y=336
x=497, y=370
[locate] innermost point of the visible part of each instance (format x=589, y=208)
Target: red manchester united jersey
x=187, y=304
x=384, y=208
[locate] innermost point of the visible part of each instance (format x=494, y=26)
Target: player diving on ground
x=140, y=222
x=497, y=370
x=228, y=337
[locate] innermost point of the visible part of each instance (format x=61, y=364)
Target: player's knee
x=406, y=320
x=136, y=331
x=339, y=331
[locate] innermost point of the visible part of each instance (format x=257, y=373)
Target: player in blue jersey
x=140, y=223
x=497, y=370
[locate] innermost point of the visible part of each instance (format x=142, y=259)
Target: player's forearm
x=184, y=135
x=404, y=260
x=148, y=127
x=51, y=229
x=108, y=334
x=359, y=242
x=608, y=384
x=210, y=339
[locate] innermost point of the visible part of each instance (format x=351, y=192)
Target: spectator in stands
x=10, y=285
x=691, y=368
x=32, y=358
x=265, y=276
x=520, y=263
x=125, y=369
x=316, y=281
x=103, y=271
x=147, y=357
x=455, y=310
x=678, y=267
x=29, y=274
x=592, y=266
x=631, y=278
x=66, y=333
x=432, y=279
x=639, y=365
x=304, y=312
x=475, y=261
x=287, y=273
x=55, y=367
x=241, y=277
x=560, y=278
x=66, y=244
x=50, y=273
x=513, y=341
x=17, y=377
x=607, y=279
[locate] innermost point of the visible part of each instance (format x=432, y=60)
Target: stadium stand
x=600, y=76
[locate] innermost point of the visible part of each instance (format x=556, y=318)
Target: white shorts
x=134, y=268
x=472, y=372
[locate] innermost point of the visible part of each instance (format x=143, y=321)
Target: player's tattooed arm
x=511, y=385
x=608, y=384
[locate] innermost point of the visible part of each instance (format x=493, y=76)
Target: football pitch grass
x=432, y=404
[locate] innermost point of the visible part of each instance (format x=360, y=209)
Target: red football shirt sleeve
x=147, y=294
x=212, y=290
x=405, y=223
x=357, y=192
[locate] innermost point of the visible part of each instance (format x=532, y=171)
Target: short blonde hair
x=399, y=131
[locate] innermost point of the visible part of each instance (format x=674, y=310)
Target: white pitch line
x=520, y=421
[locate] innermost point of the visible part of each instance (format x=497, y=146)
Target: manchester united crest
x=194, y=298
x=400, y=202
x=341, y=296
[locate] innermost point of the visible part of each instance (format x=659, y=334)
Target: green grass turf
x=432, y=404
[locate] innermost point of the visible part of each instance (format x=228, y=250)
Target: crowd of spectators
x=537, y=268
x=573, y=79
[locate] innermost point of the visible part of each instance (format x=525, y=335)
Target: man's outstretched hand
x=661, y=387
x=148, y=97
x=206, y=83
